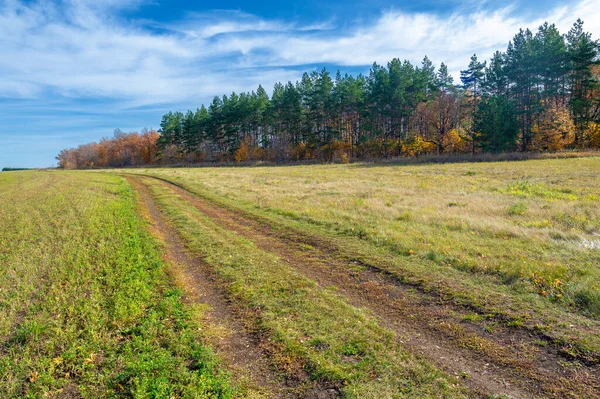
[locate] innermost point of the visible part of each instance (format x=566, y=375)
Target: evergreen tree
x=551, y=62
x=496, y=124
x=582, y=53
x=473, y=78
x=521, y=70
x=496, y=81
x=445, y=81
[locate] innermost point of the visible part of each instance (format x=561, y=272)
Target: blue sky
x=72, y=71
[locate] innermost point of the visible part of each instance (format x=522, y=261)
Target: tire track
x=241, y=350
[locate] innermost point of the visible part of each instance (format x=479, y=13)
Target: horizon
x=74, y=71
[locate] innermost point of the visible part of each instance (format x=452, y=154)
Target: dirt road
x=499, y=361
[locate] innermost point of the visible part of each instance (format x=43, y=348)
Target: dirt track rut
x=240, y=349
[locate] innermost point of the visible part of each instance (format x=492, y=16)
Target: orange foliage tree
x=124, y=149
x=554, y=129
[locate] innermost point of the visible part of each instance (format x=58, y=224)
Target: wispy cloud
x=450, y=38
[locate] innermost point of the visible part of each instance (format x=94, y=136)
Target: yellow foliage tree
x=554, y=129
x=242, y=154
x=418, y=146
x=594, y=135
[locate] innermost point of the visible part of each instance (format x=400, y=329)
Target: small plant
x=552, y=288
x=405, y=215
x=473, y=317
x=434, y=256
x=489, y=329
x=515, y=323
x=518, y=208
x=306, y=247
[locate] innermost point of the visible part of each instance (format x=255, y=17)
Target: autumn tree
x=554, y=129
x=437, y=119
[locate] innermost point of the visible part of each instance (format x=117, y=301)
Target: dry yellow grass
x=513, y=219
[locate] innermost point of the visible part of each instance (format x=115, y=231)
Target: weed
x=473, y=317
x=404, y=216
x=461, y=204
x=518, y=208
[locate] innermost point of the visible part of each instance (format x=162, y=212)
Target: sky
x=72, y=71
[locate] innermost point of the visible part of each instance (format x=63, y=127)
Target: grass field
x=324, y=281
x=535, y=220
x=514, y=243
x=87, y=307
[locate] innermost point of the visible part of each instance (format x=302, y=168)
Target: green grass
x=518, y=208
x=87, y=307
x=310, y=327
x=524, y=188
x=520, y=227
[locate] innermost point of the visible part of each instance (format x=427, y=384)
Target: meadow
x=515, y=243
x=534, y=225
x=315, y=281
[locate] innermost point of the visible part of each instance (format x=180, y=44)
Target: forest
x=541, y=94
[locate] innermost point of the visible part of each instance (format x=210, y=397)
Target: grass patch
x=87, y=307
x=518, y=208
x=523, y=188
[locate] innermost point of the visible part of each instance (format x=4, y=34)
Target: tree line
x=122, y=150
x=541, y=94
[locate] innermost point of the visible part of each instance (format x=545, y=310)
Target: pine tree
x=445, y=81
x=582, y=52
x=496, y=81
x=473, y=80
x=551, y=62
x=522, y=73
x=496, y=124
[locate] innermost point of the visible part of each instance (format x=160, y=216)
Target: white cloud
x=451, y=39
x=82, y=48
